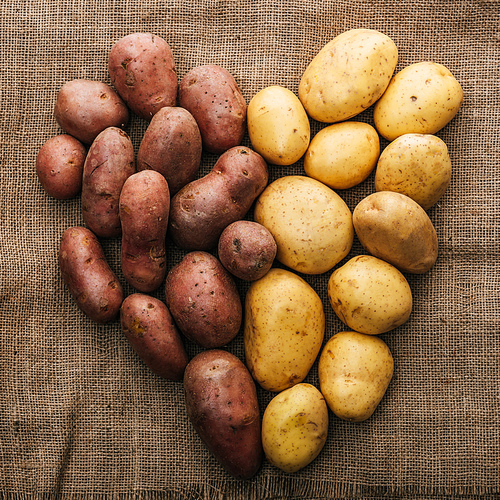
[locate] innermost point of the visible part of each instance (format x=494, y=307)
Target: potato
x=210, y=93
x=342, y=155
x=109, y=163
x=354, y=372
x=59, y=166
x=421, y=99
x=144, y=207
x=142, y=70
x=202, y=209
x=312, y=225
x=295, y=427
x=278, y=125
x=417, y=165
x=394, y=228
x=348, y=75
x=84, y=108
x=370, y=295
x=283, y=329
x=247, y=249
x=203, y=300
x=222, y=405
x=149, y=328
x=86, y=272
x=172, y=146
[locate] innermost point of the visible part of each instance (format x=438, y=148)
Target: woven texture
x=81, y=415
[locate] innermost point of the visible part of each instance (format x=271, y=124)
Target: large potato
x=354, y=372
x=283, y=329
x=312, y=225
x=370, y=295
x=278, y=125
x=394, y=228
x=295, y=427
x=421, y=99
x=222, y=405
x=348, y=75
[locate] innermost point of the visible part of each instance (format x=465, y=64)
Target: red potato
x=144, y=208
x=222, y=405
x=59, y=166
x=109, y=163
x=86, y=273
x=149, y=328
x=210, y=93
x=142, y=69
x=84, y=108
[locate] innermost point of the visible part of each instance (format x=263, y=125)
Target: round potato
x=421, y=99
x=278, y=125
x=311, y=224
x=370, y=295
x=417, y=165
x=343, y=155
x=354, y=373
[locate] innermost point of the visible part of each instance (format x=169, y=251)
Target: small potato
x=421, y=99
x=85, y=271
x=172, y=146
x=343, y=155
x=142, y=70
x=210, y=93
x=417, y=165
x=247, y=250
x=354, y=372
x=394, y=228
x=149, y=328
x=59, y=166
x=202, y=209
x=203, y=300
x=109, y=163
x=295, y=427
x=370, y=295
x=278, y=125
x=144, y=207
x=222, y=405
x=348, y=75
x=84, y=108
x=283, y=329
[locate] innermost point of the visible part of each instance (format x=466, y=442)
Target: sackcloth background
x=80, y=414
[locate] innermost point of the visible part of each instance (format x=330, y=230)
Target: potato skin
x=142, y=69
x=210, y=93
x=59, y=166
x=222, y=405
x=203, y=300
x=109, y=163
x=85, y=271
x=150, y=329
x=84, y=108
x=202, y=209
x=172, y=146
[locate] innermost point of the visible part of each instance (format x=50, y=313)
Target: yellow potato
x=295, y=427
x=284, y=327
x=417, y=165
x=343, y=154
x=370, y=295
x=311, y=224
x=354, y=372
x=278, y=125
x=348, y=75
x=421, y=99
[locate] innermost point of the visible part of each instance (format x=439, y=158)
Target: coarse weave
x=81, y=416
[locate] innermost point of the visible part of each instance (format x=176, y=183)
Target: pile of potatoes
x=299, y=221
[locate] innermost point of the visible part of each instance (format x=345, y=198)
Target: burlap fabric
x=81, y=415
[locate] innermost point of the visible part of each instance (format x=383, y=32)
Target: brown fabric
x=81, y=416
